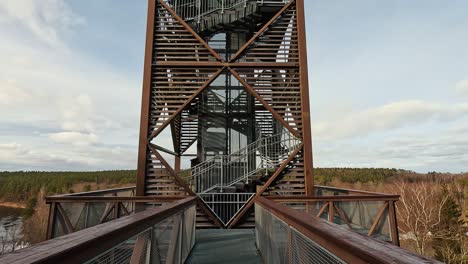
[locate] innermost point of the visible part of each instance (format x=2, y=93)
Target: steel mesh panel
x=134, y=248
x=272, y=236
x=169, y=241
x=304, y=250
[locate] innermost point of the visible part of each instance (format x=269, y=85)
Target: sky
x=388, y=83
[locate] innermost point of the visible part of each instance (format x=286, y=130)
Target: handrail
x=272, y=152
x=96, y=193
x=103, y=199
x=315, y=198
x=83, y=245
x=343, y=244
x=350, y=191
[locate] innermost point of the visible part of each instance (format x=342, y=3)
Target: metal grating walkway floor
x=225, y=246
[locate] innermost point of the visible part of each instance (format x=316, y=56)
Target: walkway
x=225, y=246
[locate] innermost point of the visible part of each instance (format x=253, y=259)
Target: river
x=10, y=229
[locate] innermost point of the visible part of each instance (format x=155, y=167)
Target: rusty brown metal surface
x=174, y=46
x=303, y=73
x=145, y=101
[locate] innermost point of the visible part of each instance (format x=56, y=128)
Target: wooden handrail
x=351, y=191
x=345, y=244
x=103, y=199
x=81, y=246
x=95, y=193
x=344, y=198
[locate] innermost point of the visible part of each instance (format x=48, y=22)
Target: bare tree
x=419, y=210
x=9, y=238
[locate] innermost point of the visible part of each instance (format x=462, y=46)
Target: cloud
x=462, y=87
x=66, y=110
x=445, y=150
x=45, y=19
x=77, y=113
x=15, y=156
x=389, y=116
x=10, y=93
x=74, y=138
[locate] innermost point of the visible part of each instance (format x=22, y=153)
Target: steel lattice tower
x=225, y=94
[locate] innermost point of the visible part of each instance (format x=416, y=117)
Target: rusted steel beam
x=107, y=211
x=322, y=209
x=184, y=185
x=264, y=187
x=275, y=114
x=304, y=84
x=261, y=31
x=124, y=209
x=171, y=171
x=342, y=215
x=189, y=29
x=51, y=222
x=145, y=101
x=165, y=150
x=377, y=219
x=393, y=223
x=189, y=100
x=65, y=220
x=331, y=212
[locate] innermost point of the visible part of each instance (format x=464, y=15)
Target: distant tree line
x=21, y=186
x=384, y=175
x=354, y=175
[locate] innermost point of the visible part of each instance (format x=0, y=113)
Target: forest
x=21, y=186
x=432, y=211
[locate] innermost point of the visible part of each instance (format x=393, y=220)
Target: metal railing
x=261, y=156
x=285, y=235
x=162, y=235
x=195, y=9
x=207, y=14
x=69, y=213
x=368, y=214
x=226, y=205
